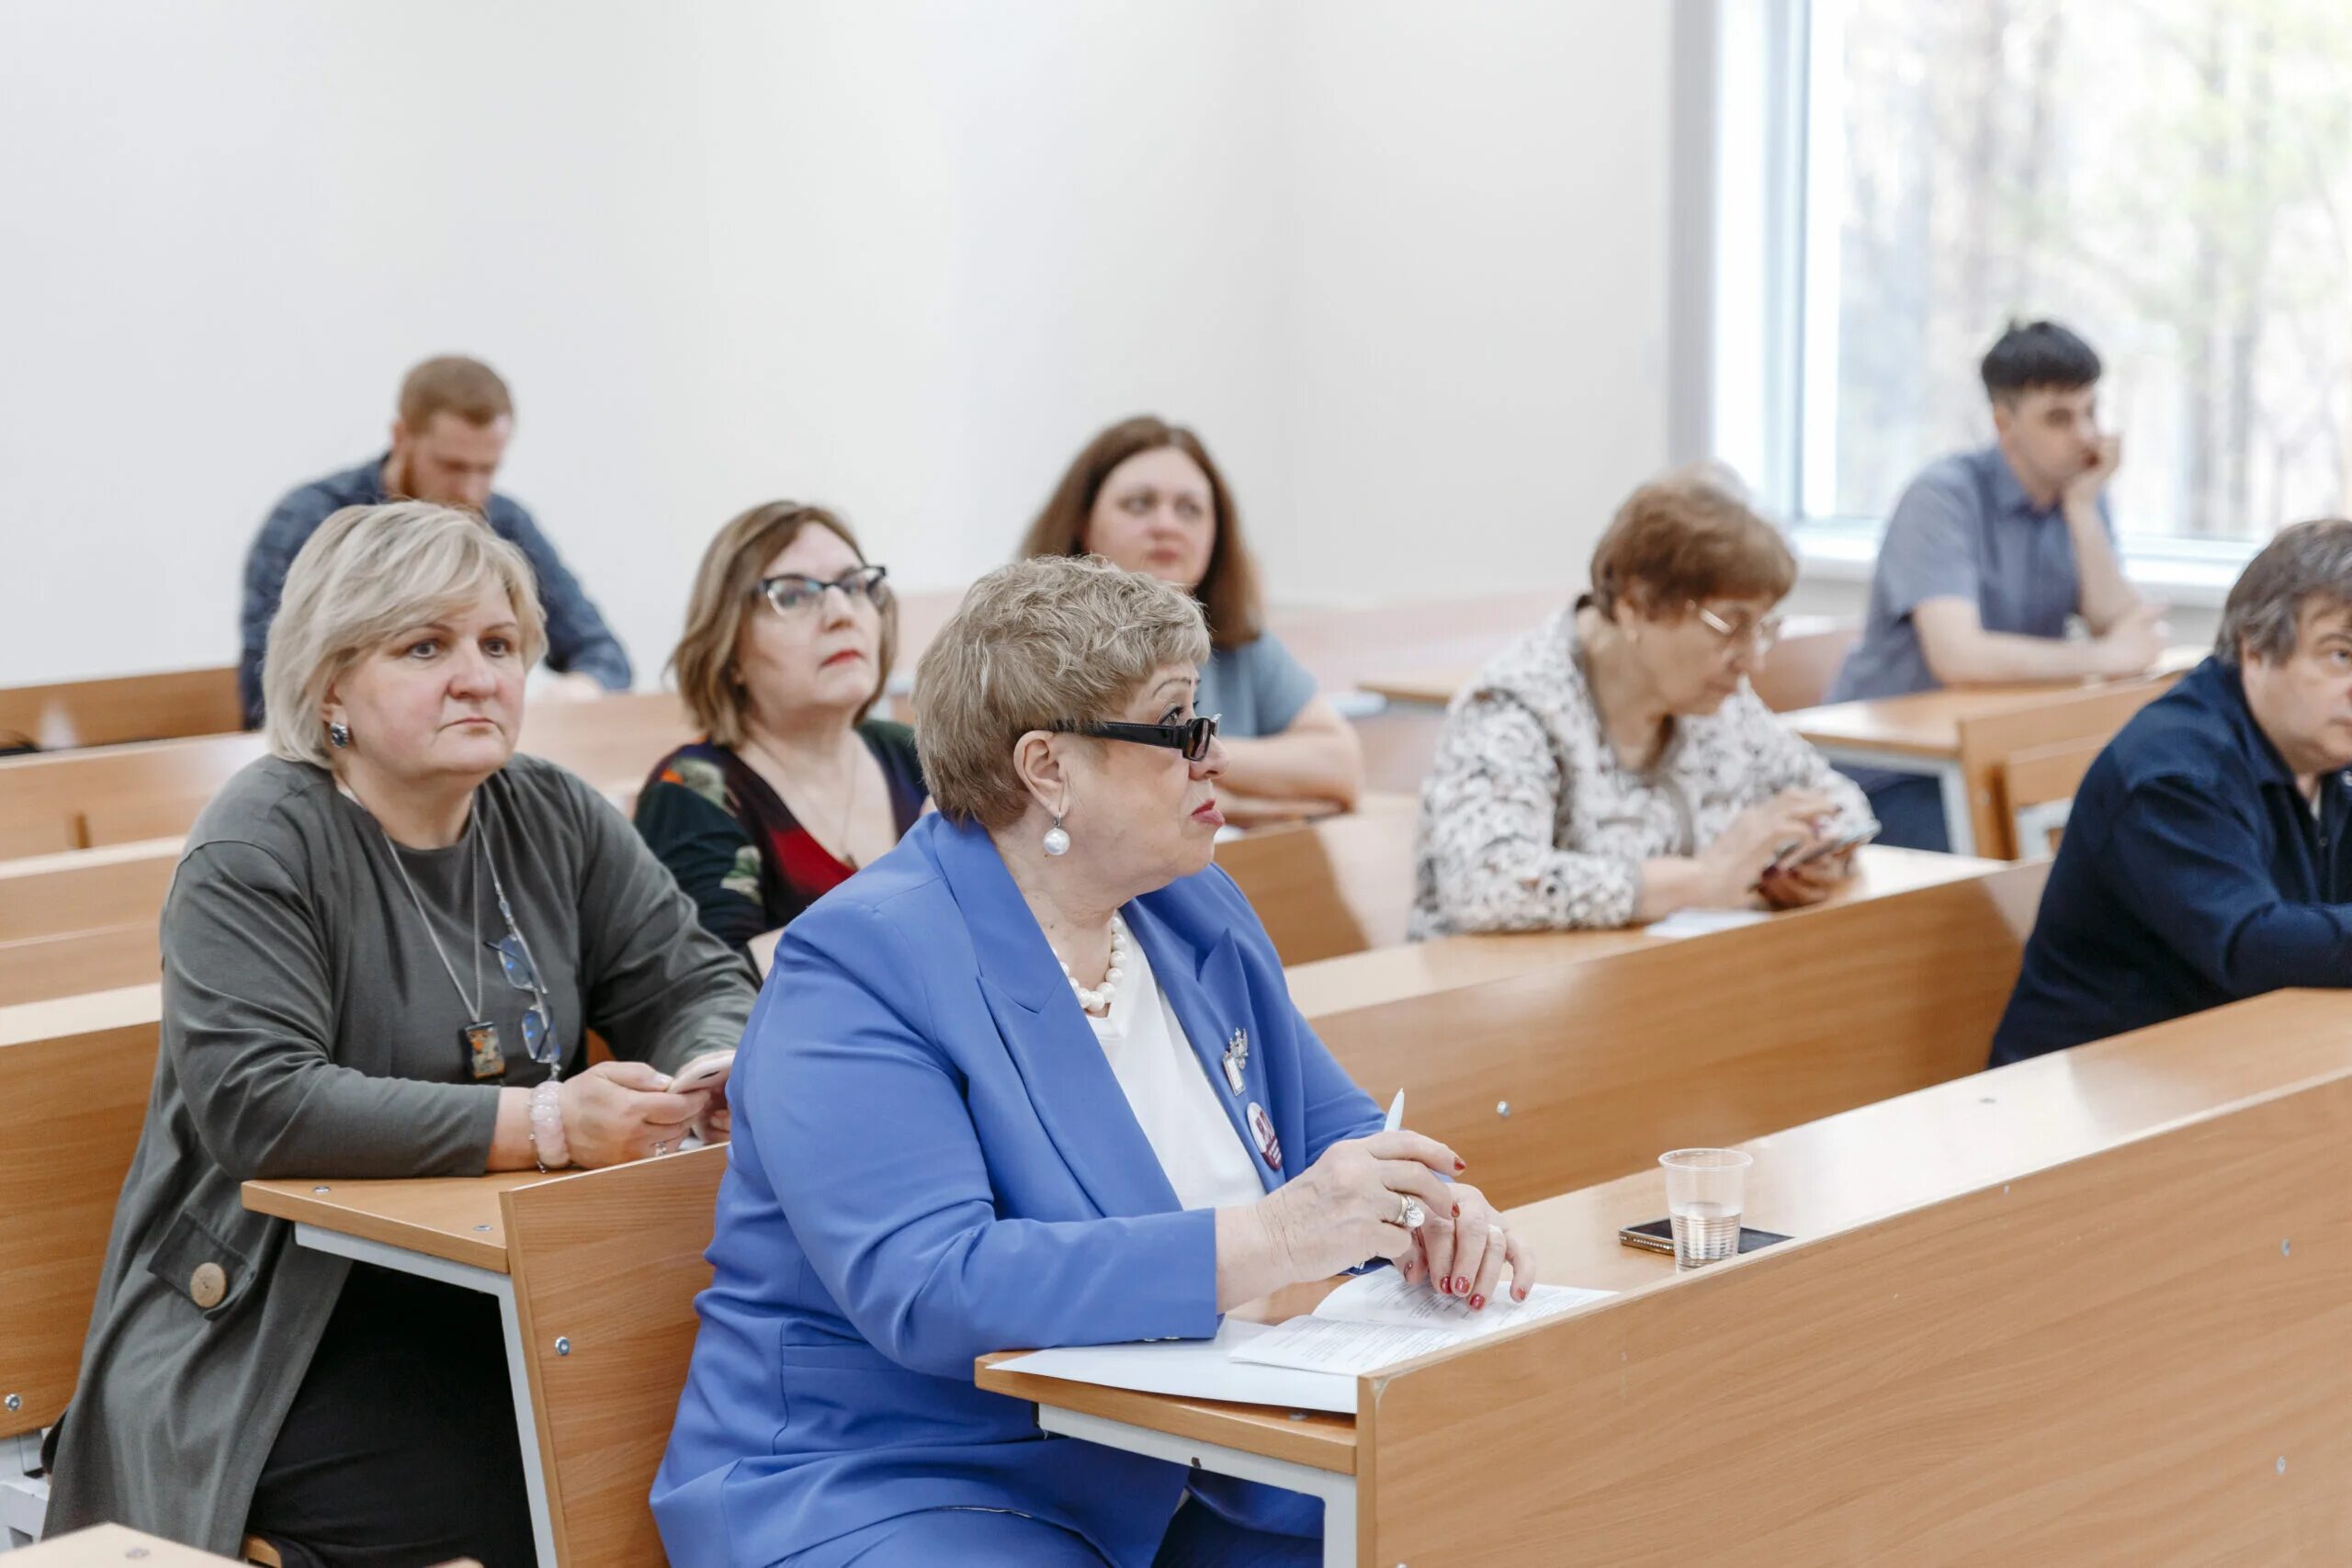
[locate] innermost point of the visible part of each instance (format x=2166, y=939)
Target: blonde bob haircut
x=1040, y=642
x=727, y=591
x=367, y=573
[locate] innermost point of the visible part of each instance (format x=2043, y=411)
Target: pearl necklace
x=1098, y=1000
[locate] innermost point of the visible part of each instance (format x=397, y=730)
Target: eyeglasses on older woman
x=1191, y=736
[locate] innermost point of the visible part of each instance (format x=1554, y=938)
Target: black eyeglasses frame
x=868, y=582
x=1191, y=736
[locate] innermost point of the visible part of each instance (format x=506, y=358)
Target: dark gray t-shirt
x=308, y=1029
x=1964, y=529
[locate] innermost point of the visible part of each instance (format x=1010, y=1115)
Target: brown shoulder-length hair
x=727, y=589
x=1229, y=592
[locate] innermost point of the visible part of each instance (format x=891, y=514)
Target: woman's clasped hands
x=617, y=1112
x=1351, y=1205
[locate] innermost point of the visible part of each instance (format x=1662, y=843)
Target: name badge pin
x=1262, y=1128
x=1237, y=1059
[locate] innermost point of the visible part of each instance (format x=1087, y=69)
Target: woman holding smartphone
x=1614, y=766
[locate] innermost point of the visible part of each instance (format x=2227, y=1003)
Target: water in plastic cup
x=1703, y=1196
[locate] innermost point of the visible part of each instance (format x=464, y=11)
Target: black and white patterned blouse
x=1530, y=820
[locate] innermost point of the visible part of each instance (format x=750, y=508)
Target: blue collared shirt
x=1964, y=529
x=2192, y=873
x=578, y=639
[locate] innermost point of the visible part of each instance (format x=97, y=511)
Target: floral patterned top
x=1530, y=821
x=734, y=845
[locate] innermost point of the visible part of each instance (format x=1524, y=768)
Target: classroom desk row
x=2069, y=1311
x=2087, y=1309
x=1583, y=1104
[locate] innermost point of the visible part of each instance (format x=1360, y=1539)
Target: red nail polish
x=1478, y=1304
x=1459, y=1165
x=1457, y=1210
x=1518, y=1293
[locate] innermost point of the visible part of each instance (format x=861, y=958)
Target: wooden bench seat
x=119, y=793
x=65, y=716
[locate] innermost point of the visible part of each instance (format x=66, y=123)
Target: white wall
x=1404, y=267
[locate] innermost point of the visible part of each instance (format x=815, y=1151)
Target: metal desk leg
x=518, y=1370
x=1960, y=823
x=1338, y=1491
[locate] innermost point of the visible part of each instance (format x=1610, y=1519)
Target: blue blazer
x=933, y=1160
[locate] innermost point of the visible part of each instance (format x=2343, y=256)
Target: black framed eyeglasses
x=1191, y=736
x=793, y=592
x=539, y=1021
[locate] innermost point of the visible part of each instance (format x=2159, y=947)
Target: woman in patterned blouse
x=1613, y=765
x=788, y=641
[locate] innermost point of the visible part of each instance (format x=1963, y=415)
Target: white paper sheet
x=1704, y=922
x=1328, y=1344
x=1312, y=1361
x=1378, y=1320
x=1195, y=1369
x=1384, y=1296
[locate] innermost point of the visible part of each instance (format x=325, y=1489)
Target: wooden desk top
x=1847, y=1170
x=1925, y=725
x=1247, y=811
x=455, y=1218
x=1385, y=974
x=111, y=1544
x=82, y=1014
x=1433, y=687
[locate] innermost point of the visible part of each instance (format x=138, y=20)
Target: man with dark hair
x=455, y=418
x=1989, y=552
x=2206, y=857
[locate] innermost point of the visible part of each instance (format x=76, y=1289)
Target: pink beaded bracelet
x=548, y=1145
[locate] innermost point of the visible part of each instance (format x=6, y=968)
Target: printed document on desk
x=1378, y=1320
x=1310, y=1362
x=1194, y=1368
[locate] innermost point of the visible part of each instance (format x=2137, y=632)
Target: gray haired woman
x=382, y=952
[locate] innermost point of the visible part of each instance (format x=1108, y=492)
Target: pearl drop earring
x=1056, y=840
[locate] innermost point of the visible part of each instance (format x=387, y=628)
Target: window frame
x=1754, y=323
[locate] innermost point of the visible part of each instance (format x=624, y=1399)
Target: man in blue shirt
x=1989, y=552
x=454, y=420
x=2206, y=856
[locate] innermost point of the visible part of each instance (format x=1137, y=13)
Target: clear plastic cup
x=1705, y=1198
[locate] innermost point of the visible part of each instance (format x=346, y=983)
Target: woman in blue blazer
x=1033, y=1078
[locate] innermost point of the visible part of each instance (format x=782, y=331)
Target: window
x=2173, y=178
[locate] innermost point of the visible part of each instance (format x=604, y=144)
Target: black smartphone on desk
x=1657, y=1235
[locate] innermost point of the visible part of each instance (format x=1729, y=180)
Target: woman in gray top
x=382, y=952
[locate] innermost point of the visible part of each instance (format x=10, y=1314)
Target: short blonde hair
x=727, y=589
x=364, y=575
x=1037, y=643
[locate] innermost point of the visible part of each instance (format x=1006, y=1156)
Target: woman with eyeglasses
x=1033, y=1078
x=1145, y=495
x=382, y=950
x=788, y=642
x=1613, y=765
